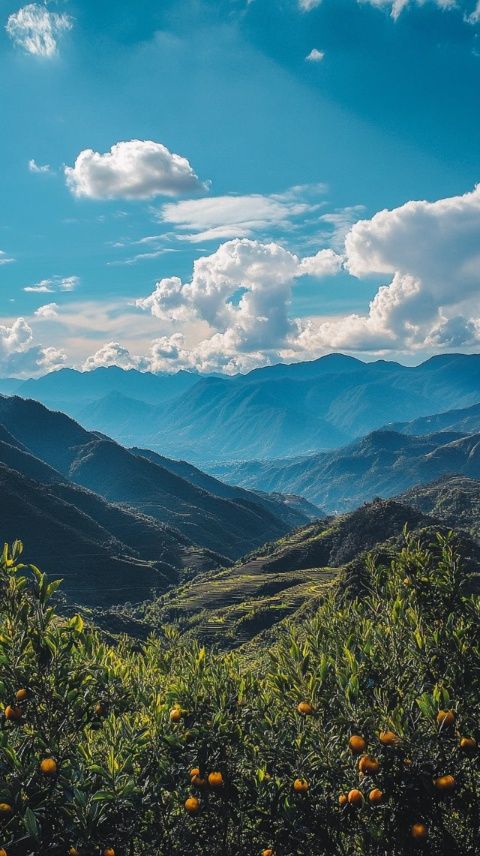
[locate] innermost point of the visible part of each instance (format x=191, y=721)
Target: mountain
x=272, y=412
x=230, y=607
x=454, y=500
x=465, y=421
x=104, y=554
x=384, y=463
x=72, y=391
x=227, y=526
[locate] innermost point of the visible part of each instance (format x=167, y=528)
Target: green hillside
x=356, y=733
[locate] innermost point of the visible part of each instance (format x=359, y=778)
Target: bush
x=119, y=764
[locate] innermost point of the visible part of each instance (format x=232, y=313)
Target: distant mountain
x=70, y=390
x=384, y=463
x=57, y=447
x=465, y=421
x=273, y=412
x=232, y=606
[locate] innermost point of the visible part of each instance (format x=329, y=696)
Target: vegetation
x=358, y=736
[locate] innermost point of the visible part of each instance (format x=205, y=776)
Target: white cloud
x=55, y=283
x=308, y=5
x=223, y=217
x=474, y=16
x=37, y=30
x=242, y=291
x=432, y=251
x=48, y=312
x=5, y=259
x=315, y=56
x=138, y=169
x=112, y=354
x=397, y=6
x=37, y=168
x=18, y=356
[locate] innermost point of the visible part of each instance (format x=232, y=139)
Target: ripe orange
x=357, y=744
x=446, y=784
x=192, y=805
x=342, y=800
x=446, y=718
x=300, y=786
x=388, y=738
x=199, y=782
x=21, y=695
x=194, y=772
x=468, y=744
x=3, y=852
x=73, y=852
x=267, y=852
x=13, y=713
x=175, y=714
x=368, y=765
x=48, y=767
x=305, y=708
x=375, y=796
x=418, y=831
x=355, y=798
x=215, y=780
x=5, y=808
x=109, y=851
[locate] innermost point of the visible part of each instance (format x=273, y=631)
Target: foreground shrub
x=359, y=736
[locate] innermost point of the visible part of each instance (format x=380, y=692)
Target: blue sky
x=290, y=125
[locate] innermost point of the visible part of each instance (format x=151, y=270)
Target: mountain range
x=116, y=524
x=273, y=412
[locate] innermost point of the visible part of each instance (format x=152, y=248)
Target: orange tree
x=167, y=748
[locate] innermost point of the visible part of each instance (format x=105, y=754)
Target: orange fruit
x=100, y=709
x=305, y=708
x=368, y=765
x=215, y=780
x=175, y=714
x=13, y=713
x=355, y=798
x=418, y=831
x=445, y=718
x=5, y=808
x=109, y=851
x=446, y=784
x=3, y=852
x=267, y=852
x=48, y=767
x=468, y=744
x=199, y=782
x=21, y=695
x=388, y=738
x=357, y=744
x=192, y=805
x=73, y=852
x=300, y=786
x=375, y=796
x=342, y=800
x=194, y=772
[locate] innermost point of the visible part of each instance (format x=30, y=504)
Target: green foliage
x=388, y=661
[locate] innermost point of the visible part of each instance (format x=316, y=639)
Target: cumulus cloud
x=48, y=312
x=37, y=168
x=37, y=30
x=432, y=251
x=137, y=169
x=18, y=356
x=55, y=283
x=315, y=56
x=243, y=292
x=113, y=354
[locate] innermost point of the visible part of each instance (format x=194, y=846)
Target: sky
x=221, y=184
